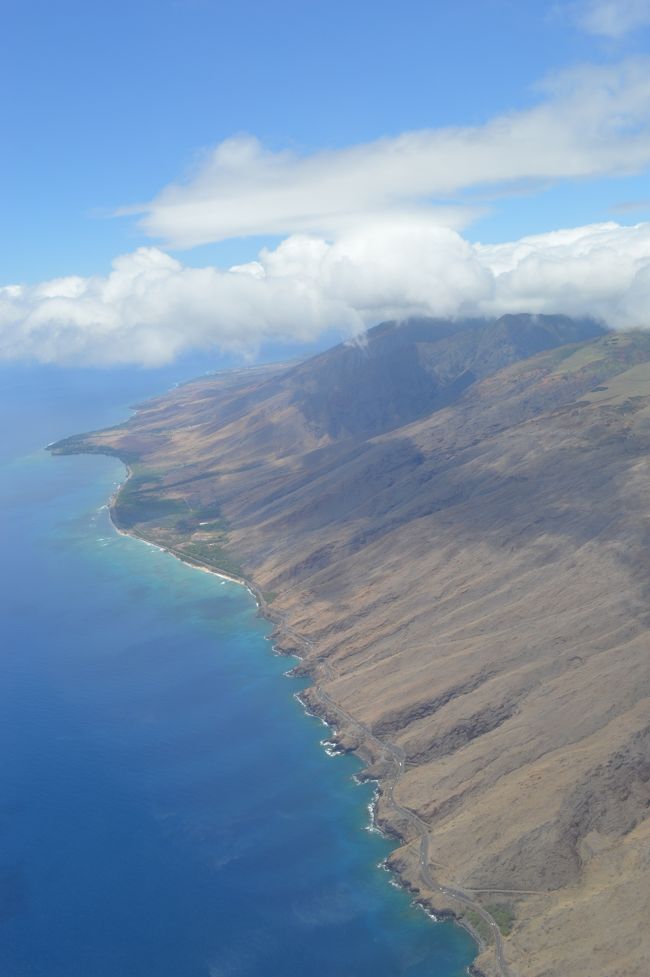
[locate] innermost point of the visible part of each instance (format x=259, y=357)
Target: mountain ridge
x=472, y=585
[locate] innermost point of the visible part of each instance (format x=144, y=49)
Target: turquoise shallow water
x=166, y=807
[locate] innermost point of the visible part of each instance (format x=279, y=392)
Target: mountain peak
x=398, y=372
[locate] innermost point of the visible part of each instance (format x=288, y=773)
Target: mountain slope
x=460, y=531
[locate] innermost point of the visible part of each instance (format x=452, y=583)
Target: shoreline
x=385, y=786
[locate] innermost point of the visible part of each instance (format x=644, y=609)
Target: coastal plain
x=450, y=523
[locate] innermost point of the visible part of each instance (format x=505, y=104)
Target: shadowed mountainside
x=456, y=518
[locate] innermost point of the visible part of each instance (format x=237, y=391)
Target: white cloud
x=372, y=234
x=613, y=18
x=151, y=307
x=589, y=121
x=598, y=270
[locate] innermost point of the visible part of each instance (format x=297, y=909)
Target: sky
x=186, y=175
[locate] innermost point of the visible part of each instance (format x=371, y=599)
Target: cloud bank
x=371, y=232
x=613, y=18
x=151, y=308
x=589, y=121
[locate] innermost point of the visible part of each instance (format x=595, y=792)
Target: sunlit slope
x=475, y=586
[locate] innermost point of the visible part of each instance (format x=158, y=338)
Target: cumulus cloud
x=150, y=307
x=588, y=121
x=613, y=18
x=371, y=232
x=601, y=270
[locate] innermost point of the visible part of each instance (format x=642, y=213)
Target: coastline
x=469, y=608
x=369, y=748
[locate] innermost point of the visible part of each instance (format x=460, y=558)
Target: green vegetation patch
x=479, y=925
x=206, y=518
x=574, y=361
x=503, y=915
x=140, y=500
x=606, y=356
x=214, y=555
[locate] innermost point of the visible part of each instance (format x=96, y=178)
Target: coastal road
x=396, y=756
x=388, y=751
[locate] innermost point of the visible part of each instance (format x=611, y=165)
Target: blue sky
x=106, y=105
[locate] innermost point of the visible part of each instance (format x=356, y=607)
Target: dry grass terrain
x=471, y=571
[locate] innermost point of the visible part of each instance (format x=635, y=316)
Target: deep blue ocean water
x=166, y=809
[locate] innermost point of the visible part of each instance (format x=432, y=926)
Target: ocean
x=166, y=806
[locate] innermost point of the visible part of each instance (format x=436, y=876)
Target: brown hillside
x=457, y=522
